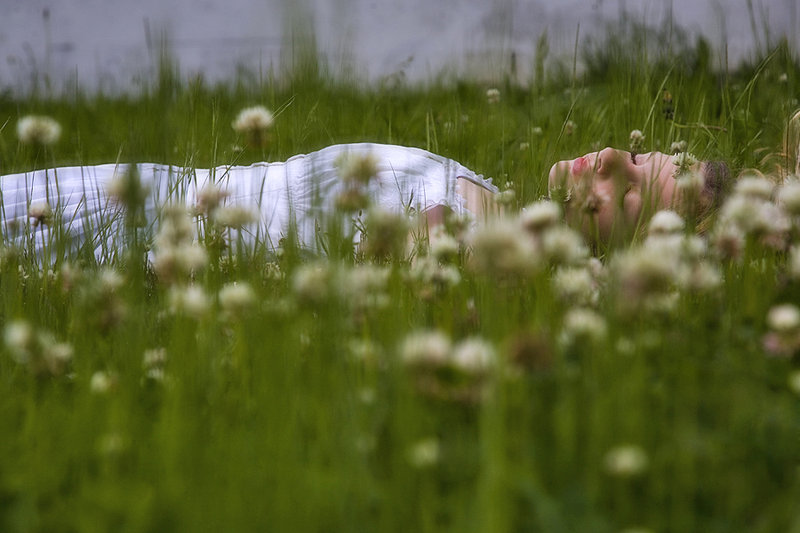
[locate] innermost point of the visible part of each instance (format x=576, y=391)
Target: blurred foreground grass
x=300, y=399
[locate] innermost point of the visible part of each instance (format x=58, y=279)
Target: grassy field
x=656, y=388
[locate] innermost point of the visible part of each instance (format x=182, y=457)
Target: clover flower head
x=636, y=140
x=253, y=119
x=690, y=183
x=678, y=147
x=493, y=95
x=784, y=318
x=502, y=248
x=235, y=216
x=626, y=461
x=789, y=196
x=311, y=282
x=39, y=130
x=755, y=187
x=102, y=382
x=473, y=355
x=209, y=198
x=684, y=161
x=40, y=212
x=191, y=301
x=236, y=298
x=424, y=453
x=665, y=222
x=584, y=324
x=357, y=169
x=564, y=246
x=426, y=348
x=443, y=246
x=540, y=216
x=19, y=338
x=575, y=285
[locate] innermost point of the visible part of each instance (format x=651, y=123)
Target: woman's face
x=607, y=191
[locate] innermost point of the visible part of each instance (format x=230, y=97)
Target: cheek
x=632, y=206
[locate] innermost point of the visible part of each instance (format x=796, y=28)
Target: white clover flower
x=493, y=95
x=110, y=280
x=235, y=216
x=424, y=453
x=675, y=247
x=102, y=382
x=175, y=227
x=37, y=129
x=683, y=161
x=357, y=169
x=364, y=286
x=537, y=131
x=570, y=127
x=575, y=285
x=426, y=348
x=754, y=187
x=703, y=277
x=311, y=282
x=19, y=337
x=429, y=271
x=209, y=198
x=473, y=355
x=643, y=273
x=637, y=136
x=505, y=197
x=40, y=211
x=584, y=324
x=191, y=257
x=154, y=358
x=253, y=119
x=729, y=240
x=126, y=188
x=563, y=245
x=626, y=461
x=784, y=318
x=444, y=247
x=665, y=222
x=502, y=248
x=236, y=297
x=789, y=197
x=754, y=215
x=386, y=233
x=636, y=140
x=192, y=301
x=57, y=355
x=690, y=183
x=678, y=147
x=540, y=215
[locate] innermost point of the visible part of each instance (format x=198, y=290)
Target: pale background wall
x=113, y=43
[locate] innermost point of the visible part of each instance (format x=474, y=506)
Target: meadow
x=645, y=385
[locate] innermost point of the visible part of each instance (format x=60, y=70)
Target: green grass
x=266, y=421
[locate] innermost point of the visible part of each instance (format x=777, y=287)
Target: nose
x=615, y=163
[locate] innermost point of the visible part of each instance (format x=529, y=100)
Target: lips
x=579, y=165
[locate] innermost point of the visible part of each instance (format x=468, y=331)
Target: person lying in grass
x=265, y=201
x=606, y=194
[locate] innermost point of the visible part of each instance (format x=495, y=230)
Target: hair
x=718, y=183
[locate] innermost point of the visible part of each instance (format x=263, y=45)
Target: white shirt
x=300, y=191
